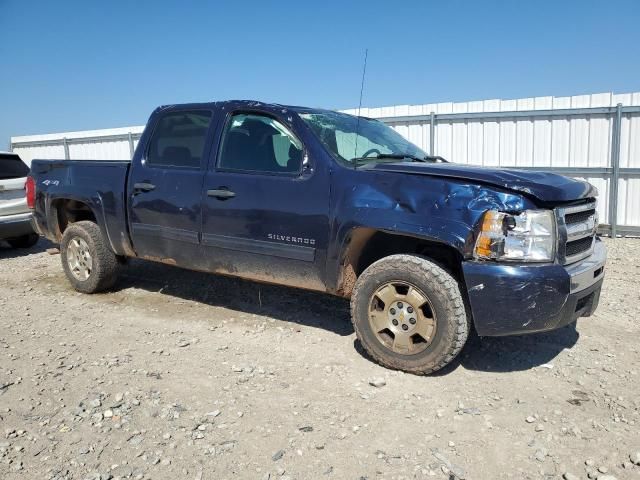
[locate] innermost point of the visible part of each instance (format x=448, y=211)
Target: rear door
x=165, y=185
x=13, y=173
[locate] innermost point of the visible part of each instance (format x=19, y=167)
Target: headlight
x=527, y=237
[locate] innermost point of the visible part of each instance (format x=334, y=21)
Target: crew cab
x=326, y=201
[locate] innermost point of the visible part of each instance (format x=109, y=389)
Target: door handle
x=143, y=187
x=221, y=193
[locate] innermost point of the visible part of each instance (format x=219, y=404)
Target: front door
x=265, y=204
x=165, y=185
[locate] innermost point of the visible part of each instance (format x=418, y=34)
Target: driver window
x=257, y=143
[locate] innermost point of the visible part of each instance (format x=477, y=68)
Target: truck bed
x=100, y=184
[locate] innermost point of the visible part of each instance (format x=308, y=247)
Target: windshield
x=337, y=131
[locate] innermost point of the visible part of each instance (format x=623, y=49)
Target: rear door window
x=179, y=138
x=12, y=167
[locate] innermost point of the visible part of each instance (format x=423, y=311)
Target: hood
x=546, y=187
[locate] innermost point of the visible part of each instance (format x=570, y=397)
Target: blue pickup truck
x=326, y=201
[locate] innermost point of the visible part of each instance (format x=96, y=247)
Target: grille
x=578, y=246
x=577, y=225
x=578, y=217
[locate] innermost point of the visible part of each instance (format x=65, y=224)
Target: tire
x=25, y=241
x=442, y=325
x=79, y=239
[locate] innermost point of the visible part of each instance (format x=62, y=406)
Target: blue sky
x=74, y=65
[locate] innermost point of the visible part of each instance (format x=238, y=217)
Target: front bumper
x=526, y=298
x=12, y=226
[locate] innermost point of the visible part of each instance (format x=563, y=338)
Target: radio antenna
x=364, y=71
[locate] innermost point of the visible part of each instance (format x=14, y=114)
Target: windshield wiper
x=400, y=156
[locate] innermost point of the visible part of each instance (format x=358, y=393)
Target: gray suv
x=15, y=215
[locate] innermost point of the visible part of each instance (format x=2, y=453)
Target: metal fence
x=113, y=143
x=591, y=137
x=612, y=174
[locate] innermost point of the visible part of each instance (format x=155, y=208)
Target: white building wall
x=104, y=144
x=533, y=142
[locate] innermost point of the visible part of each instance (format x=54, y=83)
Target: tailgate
x=13, y=198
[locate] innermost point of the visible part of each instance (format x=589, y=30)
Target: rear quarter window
x=11, y=166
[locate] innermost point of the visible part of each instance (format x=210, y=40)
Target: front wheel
x=409, y=314
x=89, y=264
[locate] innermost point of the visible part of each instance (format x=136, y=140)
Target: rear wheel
x=88, y=262
x=409, y=314
x=25, y=241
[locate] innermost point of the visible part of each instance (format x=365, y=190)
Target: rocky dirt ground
x=182, y=375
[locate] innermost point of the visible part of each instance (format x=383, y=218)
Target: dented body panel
x=517, y=299
x=546, y=187
x=423, y=207
x=311, y=230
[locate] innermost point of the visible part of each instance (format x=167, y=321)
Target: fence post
x=432, y=134
x=131, y=148
x=616, y=132
x=65, y=144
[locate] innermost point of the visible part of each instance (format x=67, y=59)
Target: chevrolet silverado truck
x=316, y=199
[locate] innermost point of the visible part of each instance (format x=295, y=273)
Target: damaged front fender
x=431, y=208
x=437, y=210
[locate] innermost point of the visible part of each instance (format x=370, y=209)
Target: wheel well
x=366, y=246
x=66, y=211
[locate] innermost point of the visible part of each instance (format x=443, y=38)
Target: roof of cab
x=251, y=104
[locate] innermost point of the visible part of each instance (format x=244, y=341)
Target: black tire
x=25, y=241
x=452, y=323
x=104, y=262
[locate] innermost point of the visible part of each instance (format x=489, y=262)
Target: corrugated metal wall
x=580, y=141
x=573, y=135
x=110, y=143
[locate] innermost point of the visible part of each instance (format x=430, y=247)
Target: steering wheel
x=370, y=151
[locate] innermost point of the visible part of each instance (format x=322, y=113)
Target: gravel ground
x=178, y=374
